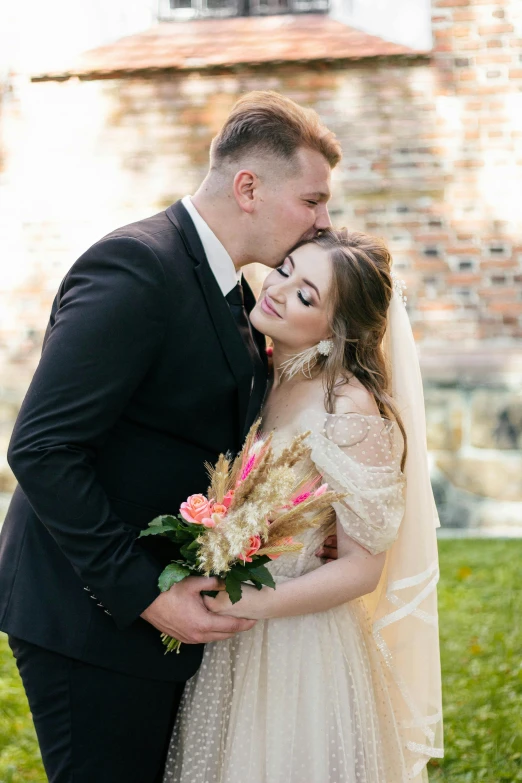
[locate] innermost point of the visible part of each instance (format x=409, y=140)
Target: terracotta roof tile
x=229, y=43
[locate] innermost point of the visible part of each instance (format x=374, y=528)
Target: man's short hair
x=266, y=122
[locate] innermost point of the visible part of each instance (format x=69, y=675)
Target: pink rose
x=210, y=521
x=196, y=509
x=217, y=511
x=254, y=545
x=219, y=508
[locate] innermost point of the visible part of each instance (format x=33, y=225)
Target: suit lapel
x=259, y=338
x=233, y=347
x=261, y=371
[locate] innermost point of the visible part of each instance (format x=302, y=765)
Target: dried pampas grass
x=261, y=505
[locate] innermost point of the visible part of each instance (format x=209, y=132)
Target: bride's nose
x=276, y=292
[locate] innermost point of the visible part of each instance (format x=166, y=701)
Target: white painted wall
x=404, y=21
x=36, y=35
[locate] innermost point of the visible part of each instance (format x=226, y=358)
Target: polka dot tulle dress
x=305, y=699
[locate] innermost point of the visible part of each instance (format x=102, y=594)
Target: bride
x=339, y=680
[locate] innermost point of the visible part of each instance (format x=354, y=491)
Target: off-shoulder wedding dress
x=307, y=699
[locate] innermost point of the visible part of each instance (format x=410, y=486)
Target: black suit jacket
x=143, y=377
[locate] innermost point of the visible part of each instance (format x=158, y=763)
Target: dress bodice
x=359, y=455
x=305, y=697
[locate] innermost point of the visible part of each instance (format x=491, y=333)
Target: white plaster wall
x=36, y=35
x=403, y=21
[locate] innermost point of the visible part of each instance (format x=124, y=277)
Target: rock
x=495, y=477
x=8, y=413
x=443, y=418
x=496, y=419
x=7, y=480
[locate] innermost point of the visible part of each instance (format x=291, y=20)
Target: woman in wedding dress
x=339, y=680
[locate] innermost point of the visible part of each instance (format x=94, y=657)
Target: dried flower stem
x=219, y=478
x=297, y=519
x=281, y=549
x=293, y=453
x=257, y=474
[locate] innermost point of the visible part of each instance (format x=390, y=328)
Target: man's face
x=292, y=207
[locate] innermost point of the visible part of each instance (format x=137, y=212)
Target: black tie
x=236, y=303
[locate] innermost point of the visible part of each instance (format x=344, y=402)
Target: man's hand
x=251, y=605
x=328, y=551
x=181, y=613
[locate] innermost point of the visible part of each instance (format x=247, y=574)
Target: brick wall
x=433, y=162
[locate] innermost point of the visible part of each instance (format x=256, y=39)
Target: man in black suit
x=149, y=368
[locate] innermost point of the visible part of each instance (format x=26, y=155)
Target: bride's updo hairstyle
x=361, y=291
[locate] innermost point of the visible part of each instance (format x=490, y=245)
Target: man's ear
x=245, y=186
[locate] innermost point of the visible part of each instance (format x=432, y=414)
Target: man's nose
x=322, y=220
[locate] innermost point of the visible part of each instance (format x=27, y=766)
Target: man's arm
x=106, y=332
x=328, y=549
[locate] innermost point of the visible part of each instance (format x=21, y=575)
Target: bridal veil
x=403, y=608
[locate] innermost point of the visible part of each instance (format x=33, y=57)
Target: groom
x=149, y=369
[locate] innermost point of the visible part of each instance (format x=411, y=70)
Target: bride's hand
x=250, y=606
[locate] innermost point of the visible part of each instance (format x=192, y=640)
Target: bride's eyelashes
x=286, y=273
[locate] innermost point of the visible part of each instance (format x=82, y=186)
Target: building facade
x=432, y=141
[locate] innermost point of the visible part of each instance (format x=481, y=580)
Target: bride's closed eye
x=301, y=297
x=283, y=270
x=286, y=271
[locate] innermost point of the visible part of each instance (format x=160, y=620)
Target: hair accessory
x=399, y=286
x=325, y=347
x=304, y=361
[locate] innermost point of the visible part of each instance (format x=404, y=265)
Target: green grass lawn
x=480, y=600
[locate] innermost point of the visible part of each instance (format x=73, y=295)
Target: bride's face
x=294, y=308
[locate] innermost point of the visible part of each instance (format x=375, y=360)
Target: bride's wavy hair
x=361, y=292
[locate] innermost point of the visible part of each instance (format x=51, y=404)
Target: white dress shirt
x=217, y=256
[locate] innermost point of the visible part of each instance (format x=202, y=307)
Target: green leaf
x=187, y=551
x=259, y=560
x=161, y=526
x=233, y=587
x=241, y=573
x=171, y=575
x=157, y=530
x=167, y=520
x=262, y=575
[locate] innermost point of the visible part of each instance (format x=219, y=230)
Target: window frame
x=199, y=9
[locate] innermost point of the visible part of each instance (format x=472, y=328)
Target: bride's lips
x=268, y=308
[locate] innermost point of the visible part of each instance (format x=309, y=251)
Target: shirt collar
x=217, y=256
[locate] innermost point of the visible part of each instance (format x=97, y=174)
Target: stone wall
x=433, y=153
x=475, y=442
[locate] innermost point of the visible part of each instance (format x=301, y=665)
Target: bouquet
x=253, y=508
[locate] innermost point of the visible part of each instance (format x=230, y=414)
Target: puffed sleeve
x=360, y=455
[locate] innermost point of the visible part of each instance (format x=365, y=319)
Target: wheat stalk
x=280, y=549
x=219, y=478
x=293, y=453
x=297, y=519
x=256, y=475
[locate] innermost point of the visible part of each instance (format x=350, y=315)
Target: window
x=188, y=9
x=191, y=9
